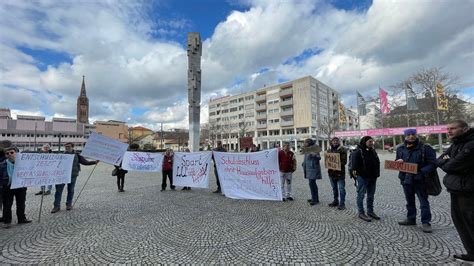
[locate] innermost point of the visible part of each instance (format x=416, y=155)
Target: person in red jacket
x=167, y=169
x=287, y=163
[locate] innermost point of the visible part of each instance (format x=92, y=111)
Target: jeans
x=70, y=193
x=49, y=187
x=167, y=174
x=286, y=178
x=314, y=190
x=462, y=213
x=410, y=191
x=341, y=184
x=365, y=186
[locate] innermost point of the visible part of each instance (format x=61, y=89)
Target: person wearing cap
x=336, y=177
x=312, y=170
x=413, y=184
x=457, y=162
x=366, y=169
x=45, y=149
x=19, y=194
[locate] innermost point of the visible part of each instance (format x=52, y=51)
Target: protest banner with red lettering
x=142, y=161
x=191, y=169
x=411, y=168
x=41, y=169
x=104, y=149
x=249, y=175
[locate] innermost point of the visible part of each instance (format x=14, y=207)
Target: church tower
x=83, y=105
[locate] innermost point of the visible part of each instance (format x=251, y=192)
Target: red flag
x=384, y=102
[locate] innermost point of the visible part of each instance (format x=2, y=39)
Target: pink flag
x=384, y=102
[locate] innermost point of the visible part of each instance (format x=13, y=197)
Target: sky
x=133, y=53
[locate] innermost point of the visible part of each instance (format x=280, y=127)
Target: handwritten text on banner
x=142, y=161
x=105, y=149
x=191, y=169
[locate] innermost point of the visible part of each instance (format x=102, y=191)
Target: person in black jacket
x=3, y=171
x=365, y=168
x=458, y=164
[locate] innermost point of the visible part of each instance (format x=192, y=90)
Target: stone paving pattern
x=144, y=225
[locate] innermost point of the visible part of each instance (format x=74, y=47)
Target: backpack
x=432, y=183
x=349, y=163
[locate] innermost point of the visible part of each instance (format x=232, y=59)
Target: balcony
x=286, y=92
x=260, y=107
x=261, y=126
x=286, y=103
x=261, y=116
x=286, y=113
x=286, y=123
x=261, y=98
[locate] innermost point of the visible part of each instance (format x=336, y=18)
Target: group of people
x=364, y=167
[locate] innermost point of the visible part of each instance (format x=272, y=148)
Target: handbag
x=114, y=172
x=432, y=184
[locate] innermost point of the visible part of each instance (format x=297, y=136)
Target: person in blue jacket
x=414, y=151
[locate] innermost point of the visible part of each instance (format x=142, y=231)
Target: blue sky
x=133, y=53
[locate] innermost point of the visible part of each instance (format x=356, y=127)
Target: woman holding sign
x=311, y=168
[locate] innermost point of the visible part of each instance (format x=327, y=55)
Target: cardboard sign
x=40, y=169
x=332, y=161
x=411, y=168
x=312, y=149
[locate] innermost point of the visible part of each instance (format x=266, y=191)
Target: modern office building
x=292, y=111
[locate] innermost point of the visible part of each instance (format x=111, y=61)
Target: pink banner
x=384, y=102
x=392, y=131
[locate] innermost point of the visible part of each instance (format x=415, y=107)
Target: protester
x=76, y=168
x=3, y=172
x=337, y=178
x=219, y=148
x=120, y=177
x=287, y=164
x=45, y=149
x=167, y=169
x=18, y=193
x=365, y=166
x=414, y=151
x=277, y=146
x=312, y=170
x=458, y=164
x=254, y=148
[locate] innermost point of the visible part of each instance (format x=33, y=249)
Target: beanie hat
x=364, y=140
x=409, y=131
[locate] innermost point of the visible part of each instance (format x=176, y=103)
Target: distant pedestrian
x=365, y=167
x=76, y=167
x=414, y=151
x=18, y=193
x=312, y=170
x=287, y=165
x=120, y=177
x=458, y=163
x=167, y=169
x=219, y=148
x=337, y=178
x=45, y=149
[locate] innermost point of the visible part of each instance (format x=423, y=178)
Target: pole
x=84, y=185
x=35, y=135
x=41, y=207
x=381, y=119
x=59, y=142
x=440, y=141
x=161, y=144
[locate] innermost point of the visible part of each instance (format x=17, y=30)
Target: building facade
x=113, y=129
x=286, y=112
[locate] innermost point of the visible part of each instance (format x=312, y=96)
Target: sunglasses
x=9, y=152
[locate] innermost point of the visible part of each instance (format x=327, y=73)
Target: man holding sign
x=337, y=176
x=412, y=152
x=76, y=167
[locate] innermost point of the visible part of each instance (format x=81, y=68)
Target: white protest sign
x=40, y=169
x=142, y=161
x=104, y=149
x=191, y=169
x=249, y=175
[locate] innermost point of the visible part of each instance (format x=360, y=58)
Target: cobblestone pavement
x=144, y=225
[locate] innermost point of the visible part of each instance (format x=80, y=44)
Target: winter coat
x=168, y=162
x=334, y=174
x=414, y=155
x=459, y=168
x=311, y=167
x=76, y=164
x=366, y=163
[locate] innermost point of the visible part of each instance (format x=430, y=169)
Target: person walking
x=287, y=165
x=457, y=162
x=312, y=170
x=337, y=178
x=365, y=167
x=19, y=194
x=45, y=149
x=76, y=168
x=167, y=169
x=414, y=151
